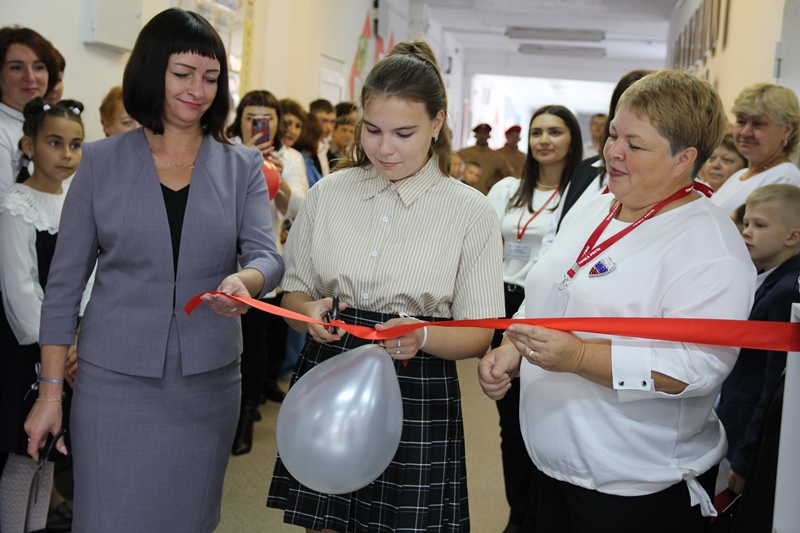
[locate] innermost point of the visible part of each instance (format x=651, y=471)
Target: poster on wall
x=370, y=50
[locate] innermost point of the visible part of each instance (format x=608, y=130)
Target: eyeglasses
x=44, y=455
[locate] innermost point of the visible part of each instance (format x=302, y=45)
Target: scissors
x=333, y=314
x=44, y=454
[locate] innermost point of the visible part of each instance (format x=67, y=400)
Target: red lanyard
x=590, y=251
x=698, y=186
x=521, y=231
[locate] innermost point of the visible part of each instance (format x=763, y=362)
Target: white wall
x=91, y=70
x=754, y=28
x=293, y=40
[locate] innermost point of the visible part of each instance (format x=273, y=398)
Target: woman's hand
x=44, y=418
x=497, y=369
x=318, y=310
x=553, y=350
x=406, y=345
x=735, y=482
x=224, y=306
x=71, y=369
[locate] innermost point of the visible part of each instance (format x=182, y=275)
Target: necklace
x=167, y=161
x=546, y=187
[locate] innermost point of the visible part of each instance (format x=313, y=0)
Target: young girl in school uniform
x=30, y=211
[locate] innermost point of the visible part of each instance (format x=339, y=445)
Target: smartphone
x=260, y=124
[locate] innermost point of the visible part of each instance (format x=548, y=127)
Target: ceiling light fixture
x=555, y=34
x=572, y=51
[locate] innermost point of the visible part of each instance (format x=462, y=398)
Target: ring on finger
x=234, y=308
x=532, y=355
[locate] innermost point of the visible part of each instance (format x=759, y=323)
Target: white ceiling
x=635, y=33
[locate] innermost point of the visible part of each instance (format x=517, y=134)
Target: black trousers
x=520, y=476
x=567, y=508
x=264, y=338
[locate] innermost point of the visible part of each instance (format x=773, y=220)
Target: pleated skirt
x=425, y=486
x=150, y=453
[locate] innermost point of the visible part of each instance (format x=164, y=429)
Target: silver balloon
x=340, y=424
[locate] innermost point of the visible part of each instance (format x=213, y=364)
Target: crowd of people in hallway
x=664, y=210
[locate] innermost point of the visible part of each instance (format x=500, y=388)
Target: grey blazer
x=114, y=214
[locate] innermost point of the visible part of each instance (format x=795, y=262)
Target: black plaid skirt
x=425, y=486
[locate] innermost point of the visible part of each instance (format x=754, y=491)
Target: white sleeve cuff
x=631, y=370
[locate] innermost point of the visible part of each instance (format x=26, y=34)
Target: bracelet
x=51, y=380
x=48, y=399
x=424, y=329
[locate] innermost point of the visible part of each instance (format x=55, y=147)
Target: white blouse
x=631, y=439
x=10, y=133
x=23, y=213
x=734, y=192
x=519, y=254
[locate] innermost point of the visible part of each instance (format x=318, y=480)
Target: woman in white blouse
x=623, y=428
x=27, y=69
x=525, y=209
x=765, y=133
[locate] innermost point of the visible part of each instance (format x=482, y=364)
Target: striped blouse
x=427, y=245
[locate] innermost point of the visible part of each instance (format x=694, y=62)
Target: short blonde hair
x=685, y=110
x=787, y=195
x=778, y=103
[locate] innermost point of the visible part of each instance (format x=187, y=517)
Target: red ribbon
x=759, y=335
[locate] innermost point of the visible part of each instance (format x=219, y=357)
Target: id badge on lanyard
x=516, y=250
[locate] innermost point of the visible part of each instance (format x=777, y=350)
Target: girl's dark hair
x=410, y=72
x=530, y=170
x=43, y=49
x=260, y=99
x=173, y=31
x=35, y=113
x=310, y=135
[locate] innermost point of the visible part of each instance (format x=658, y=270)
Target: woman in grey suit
x=166, y=211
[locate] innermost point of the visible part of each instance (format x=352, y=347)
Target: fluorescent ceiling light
x=555, y=34
x=573, y=51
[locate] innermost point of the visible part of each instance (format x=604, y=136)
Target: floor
x=248, y=476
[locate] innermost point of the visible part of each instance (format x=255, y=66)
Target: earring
x=784, y=143
x=435, y=136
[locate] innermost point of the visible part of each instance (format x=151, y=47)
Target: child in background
x=772, y=235
x=471, y=174
x=456, y=166
x=30, y=211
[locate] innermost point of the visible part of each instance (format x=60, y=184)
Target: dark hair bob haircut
x=173, y=31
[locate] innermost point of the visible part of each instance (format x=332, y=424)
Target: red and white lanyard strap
x=590, y=251
x=699, y=186
x=521, y=229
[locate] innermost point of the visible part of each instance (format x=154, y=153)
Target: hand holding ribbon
x=779, y=336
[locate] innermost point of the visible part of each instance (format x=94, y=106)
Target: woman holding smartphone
x=259, y=124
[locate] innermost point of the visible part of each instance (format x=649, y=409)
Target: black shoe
x=273, y=392
x=243, y=440
x=258, y=416
x=59, y=519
